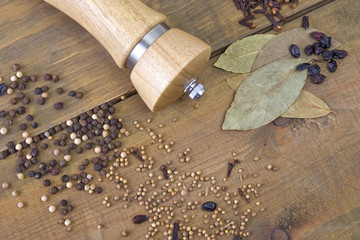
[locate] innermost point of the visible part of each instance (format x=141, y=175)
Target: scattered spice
x=231, y=165
x=305, y=22
x=294, y=51
x=139, y=219
x=209, y=206
x=5, y=185
x=59, y=105
x=20, y=205
x=243, y=196
x=175, y=235
x=164, y=171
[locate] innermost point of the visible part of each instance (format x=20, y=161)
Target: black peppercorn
x=25, y=78
x=59, y=90
x=46, y=182
x=3, y=113
x=55, y=78
x=58, y=105
x=69, y=208
x=34, y=125
x=72, y=93
x=75, y=177
x=38, y=91
x=62, y=163
x=63, y=211
x=26, y=100
x=52, y=162
x=23, y=126
x=79, y=95
x=79, y=186
x=44, y=88
x=53, y=190
x=29, y=117
x=31, y=173
x=55, y=171
x=33, y=78
x=37, y=175
x=13, y=101
x=21, y=110
x=21, y=86
x=98, y=190
x=15, y=67
x=48, y=76
x=65, y=178
x=41, y=101
x=63, y=202
x=98, y=167
x=3, y=88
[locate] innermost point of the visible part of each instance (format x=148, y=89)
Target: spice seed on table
x=59, y=105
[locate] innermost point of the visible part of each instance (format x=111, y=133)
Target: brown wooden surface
x=313, y=195
x=44, y=40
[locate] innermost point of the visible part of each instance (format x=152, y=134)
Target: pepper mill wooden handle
x=165, y=68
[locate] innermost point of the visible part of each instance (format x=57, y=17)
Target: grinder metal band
x=145, y=43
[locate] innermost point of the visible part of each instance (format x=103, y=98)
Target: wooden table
x=314, y=194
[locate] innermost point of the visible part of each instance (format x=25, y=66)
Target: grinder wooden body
x=165, y=68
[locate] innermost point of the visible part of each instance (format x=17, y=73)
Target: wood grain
x=313, y=195
x=44, y=40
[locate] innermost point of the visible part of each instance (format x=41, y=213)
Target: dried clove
x=134, y=151
x=242, y=195
x=270, y=17
x=231, y=164
x=175, y=235
x=163, y=169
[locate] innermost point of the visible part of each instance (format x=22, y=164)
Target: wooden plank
x=314, y=190
x=43, y=40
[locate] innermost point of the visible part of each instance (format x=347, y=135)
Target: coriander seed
x=20, y=205
x=52, y=209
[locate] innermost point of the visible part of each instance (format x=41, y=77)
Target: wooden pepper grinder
x=164, y=61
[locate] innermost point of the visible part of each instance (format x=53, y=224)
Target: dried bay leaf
x=307, y=106
x=234, y=82
x=240, y=56
x=278, y=47
x=265, y=95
